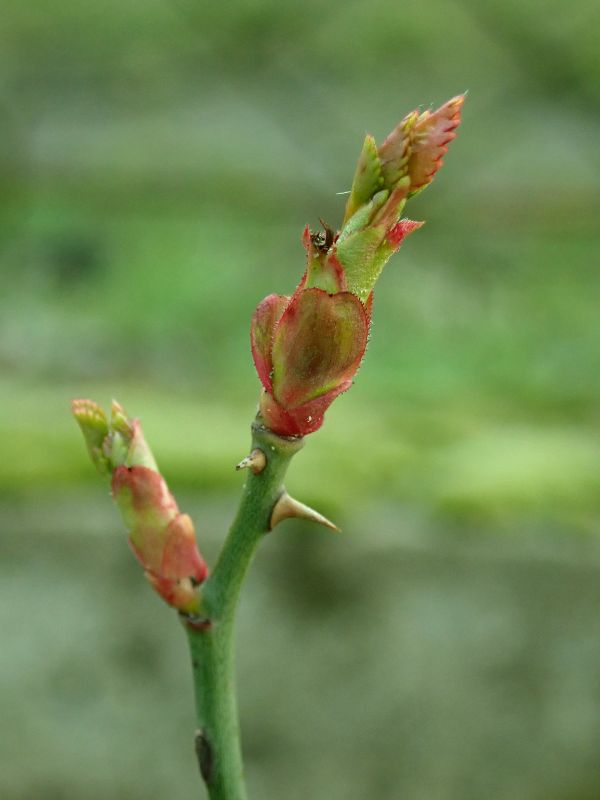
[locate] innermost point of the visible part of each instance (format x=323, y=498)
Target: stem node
x=255, y=462
x=204, y=756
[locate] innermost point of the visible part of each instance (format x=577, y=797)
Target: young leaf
x=430, y=137
x=368, y=179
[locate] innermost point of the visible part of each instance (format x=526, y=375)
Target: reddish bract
x=161, y=538
x=401, y=229
x=306, y=355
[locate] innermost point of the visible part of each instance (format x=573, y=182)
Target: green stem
x=211, y=637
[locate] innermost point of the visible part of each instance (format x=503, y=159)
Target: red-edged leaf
x=394, y=151
x=307, y=239
x=430, y=137
x=266, y=317
x=278, y=419
x=401, y=230
x=160, y=537
x=139, y=453
x=181, y=558
x=177, y=592
x=147, y=507
x=390, y=211
x=318, y=344
x=369, y=307
x=302, y=420
x=325, y=272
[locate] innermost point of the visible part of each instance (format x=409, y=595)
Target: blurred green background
x=159, y=161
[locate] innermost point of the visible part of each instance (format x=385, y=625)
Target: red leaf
x=301, y=420
x=394, y=151
x=307, y=239
x=147, y=507
x=430, y=136
x=369, y=307
x=181, y=558
x=177, y=592
x=266, y=317
x=318, y=344
x=401, y=230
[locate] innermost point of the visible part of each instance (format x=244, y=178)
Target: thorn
x=287, y=507
x=256, y=462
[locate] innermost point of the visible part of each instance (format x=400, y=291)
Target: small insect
x=323, y=240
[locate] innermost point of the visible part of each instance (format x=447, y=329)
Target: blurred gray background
x=159, y=161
